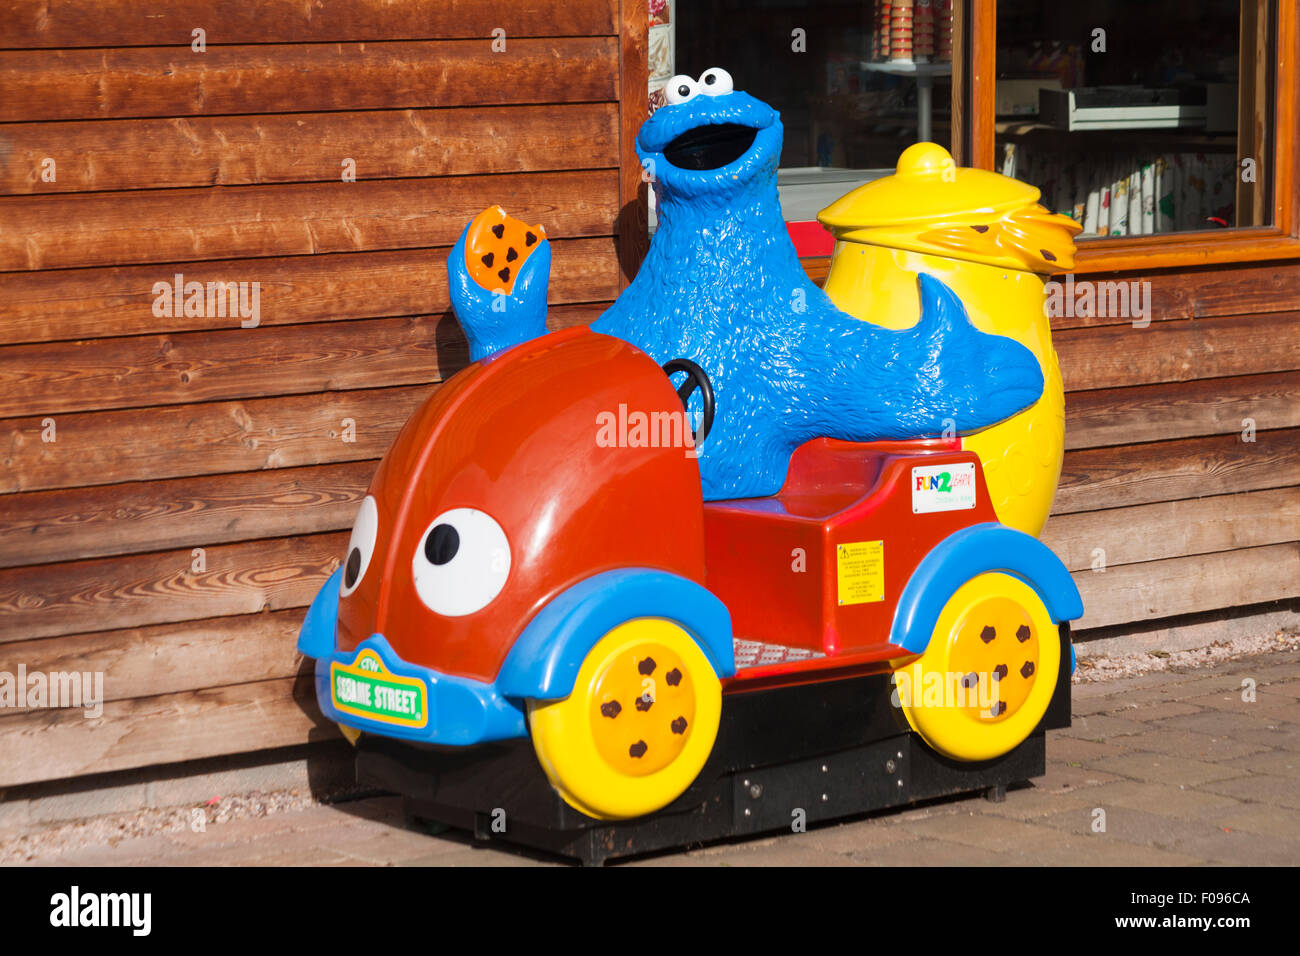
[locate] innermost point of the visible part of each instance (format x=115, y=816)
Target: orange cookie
x=497, y=246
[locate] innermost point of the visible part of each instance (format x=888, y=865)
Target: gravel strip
x=1102, y=668
x=114, y=828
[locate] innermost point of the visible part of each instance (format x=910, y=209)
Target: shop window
x=1139, y=119
x=1166, y=128
x=856, y=83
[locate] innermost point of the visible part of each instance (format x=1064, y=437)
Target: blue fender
x=545, y=659
x=316, y=637
x=972, y=551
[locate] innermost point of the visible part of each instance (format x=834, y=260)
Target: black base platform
x=811, y=752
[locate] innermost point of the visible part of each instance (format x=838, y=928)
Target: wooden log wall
x=1182, y=462
x=173, y=432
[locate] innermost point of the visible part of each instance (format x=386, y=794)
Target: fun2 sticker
x=943, y=487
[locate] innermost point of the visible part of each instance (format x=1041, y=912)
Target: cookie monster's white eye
x=680, y=89
x=461, y=562
x=715, y=81
x=361, y=546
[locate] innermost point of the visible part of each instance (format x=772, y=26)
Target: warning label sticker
x=860, y=569
x=943, y=487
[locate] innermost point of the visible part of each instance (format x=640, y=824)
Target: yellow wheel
x=989, y=672
x=638, y=726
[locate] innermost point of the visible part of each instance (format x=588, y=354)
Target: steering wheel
x=696, y=379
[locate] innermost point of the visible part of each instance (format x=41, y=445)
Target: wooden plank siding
x=252, y=150
x=38, y=24
x=184, y=225
x=288, y=78
x=1180, y=491
x=82, y=303
x=178, y=432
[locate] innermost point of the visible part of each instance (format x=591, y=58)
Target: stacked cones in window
x=943, y=31
x=900, y=31
x=923, y=31
x=880, y=31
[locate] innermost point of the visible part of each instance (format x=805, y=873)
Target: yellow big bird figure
x=987, y=238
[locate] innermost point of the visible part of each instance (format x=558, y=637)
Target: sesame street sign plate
x=366, y=688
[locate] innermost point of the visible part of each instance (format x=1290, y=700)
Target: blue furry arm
x=942, y=373
x=491, y=320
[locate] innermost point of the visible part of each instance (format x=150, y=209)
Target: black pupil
x=442, y=544
x=710, y=79
x=353, y=568
x=684, y=90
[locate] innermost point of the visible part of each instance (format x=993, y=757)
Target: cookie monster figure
x=722, y=286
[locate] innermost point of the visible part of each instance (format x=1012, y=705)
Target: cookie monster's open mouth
x=710, y=146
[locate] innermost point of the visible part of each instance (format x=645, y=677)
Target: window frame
x=1243, y=244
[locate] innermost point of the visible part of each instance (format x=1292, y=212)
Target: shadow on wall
x=633, y=231
x=449, y=345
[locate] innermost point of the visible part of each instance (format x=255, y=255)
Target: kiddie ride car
x=534, y=562
x=659, y=581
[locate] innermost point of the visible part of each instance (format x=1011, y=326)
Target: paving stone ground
x=1181, y=768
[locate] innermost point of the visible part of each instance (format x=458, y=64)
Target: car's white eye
x=461, y=563
x=680, y=89
x=715, y=81
x=361, y=546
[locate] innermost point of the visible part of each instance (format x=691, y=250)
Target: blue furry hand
x=493, y=319
x=983, y=378
x=942, y=376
